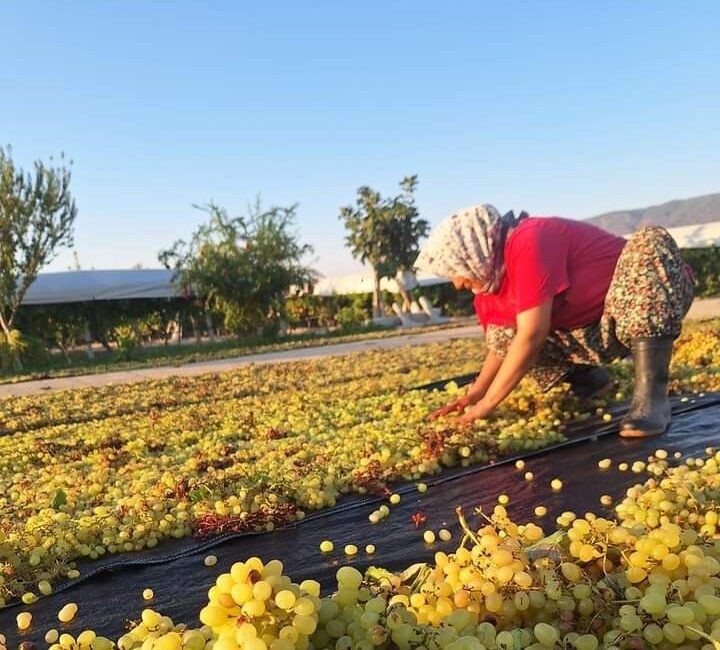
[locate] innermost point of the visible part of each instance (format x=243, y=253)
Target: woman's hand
x=458, y=406
x=476, y=392
x=480, y=411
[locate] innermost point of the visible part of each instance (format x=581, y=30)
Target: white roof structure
x=84, y=286
x=703, y=235
x=364, y=282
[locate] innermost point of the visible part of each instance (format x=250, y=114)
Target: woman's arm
x=477, y=390
x=533, y=328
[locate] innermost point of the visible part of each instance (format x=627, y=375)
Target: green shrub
x=17, y=349
x=350, y=316
x=128, y=342
x=12, y=346
x=705, y=263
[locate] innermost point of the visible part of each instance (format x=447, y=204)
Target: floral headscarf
x=470, y=244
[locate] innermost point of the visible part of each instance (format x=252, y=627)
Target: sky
x=564, y=108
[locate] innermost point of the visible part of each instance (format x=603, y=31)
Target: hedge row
x=705, y=263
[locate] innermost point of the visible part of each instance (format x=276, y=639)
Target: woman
x=557, y=299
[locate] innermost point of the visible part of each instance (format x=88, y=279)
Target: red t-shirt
x=546, y=258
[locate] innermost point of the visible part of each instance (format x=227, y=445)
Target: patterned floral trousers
x=650, y=293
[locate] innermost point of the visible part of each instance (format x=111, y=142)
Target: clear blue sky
x=570, y=108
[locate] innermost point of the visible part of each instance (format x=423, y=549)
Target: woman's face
x=459, y=282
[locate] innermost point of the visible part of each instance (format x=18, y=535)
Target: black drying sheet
x=110, y=591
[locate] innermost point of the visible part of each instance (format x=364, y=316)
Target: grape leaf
x=59, y=500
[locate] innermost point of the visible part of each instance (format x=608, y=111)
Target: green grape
x=304, y=623
x=505, y=640
x=285, y=599
x=369, y=619
x=304, y=606
x=335, y=628
x=680, y=615
x=51, y=636
x=344, y=643
x=254, y=644
x=349, y=577
x=710, y=603
x=673, y=633
x=282, y=644
x=653, y=603
x=376, y=605
x=571, y=571
x=653, y=633
x=262, y=590
x=521, y=601
x=586, y=642
x=546, y=634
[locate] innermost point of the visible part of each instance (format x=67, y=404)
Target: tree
x=385, y=233
x=37, y=213
x=242, y=267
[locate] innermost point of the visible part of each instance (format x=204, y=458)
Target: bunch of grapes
x=255, y=607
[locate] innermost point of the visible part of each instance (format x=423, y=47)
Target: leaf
x=380, y=575
x=200, y=493
x=546, y=547
x=59, y=500
x=412, y=572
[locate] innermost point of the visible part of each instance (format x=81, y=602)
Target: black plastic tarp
x=180, y=580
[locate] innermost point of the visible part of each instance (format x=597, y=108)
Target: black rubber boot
x=649, y=413
x=588, y=381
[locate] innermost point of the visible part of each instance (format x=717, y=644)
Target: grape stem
x=468, y=532
x=705, y=636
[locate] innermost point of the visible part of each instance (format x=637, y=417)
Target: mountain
x=684, y=212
